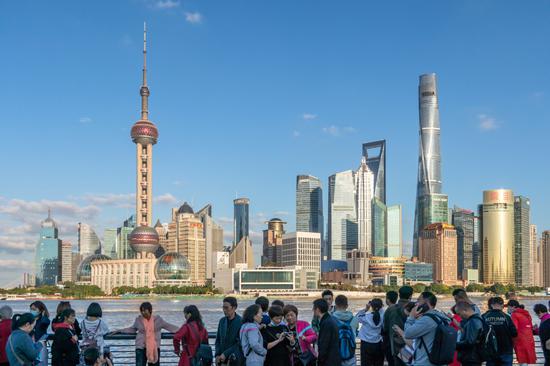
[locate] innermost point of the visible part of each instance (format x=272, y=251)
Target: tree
x=498, y=289
x=475, y=287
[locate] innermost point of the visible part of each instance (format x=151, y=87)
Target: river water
x=119, y=313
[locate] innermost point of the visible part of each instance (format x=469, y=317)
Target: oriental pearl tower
x=144, y=239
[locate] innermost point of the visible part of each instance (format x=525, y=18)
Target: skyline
x=318, y=131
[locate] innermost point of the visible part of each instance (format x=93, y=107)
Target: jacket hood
x=343, y=315
x=545, y=317
x=522, y=312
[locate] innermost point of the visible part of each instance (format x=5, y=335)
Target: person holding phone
x=370, y=333
x=278, y=340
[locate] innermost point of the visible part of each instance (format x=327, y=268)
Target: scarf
x=151, y=340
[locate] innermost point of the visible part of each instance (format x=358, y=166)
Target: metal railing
x=122, y=348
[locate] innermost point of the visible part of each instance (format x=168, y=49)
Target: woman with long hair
x=190, y=336
x=5, y=330
x=251, y=338
x=370, y=334
x=20, y=348
x=63, y=305
x=40, y=312
x=304, y=354
x=65, y=341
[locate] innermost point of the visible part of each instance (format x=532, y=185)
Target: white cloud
x=165, y=198
x=193, y=18
x=166, y=4
x=123, y=200
x=85, y=120
x=15, y=264
x=16, y=245
x=21, y=210
x=332, y=130
x=309, y=116
x=487, y=123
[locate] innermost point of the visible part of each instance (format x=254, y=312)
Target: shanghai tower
x=431, y=204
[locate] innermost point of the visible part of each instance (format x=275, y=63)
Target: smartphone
x=106, y=351
x=423, y=308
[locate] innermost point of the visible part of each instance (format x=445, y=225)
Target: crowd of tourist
x=399, y=332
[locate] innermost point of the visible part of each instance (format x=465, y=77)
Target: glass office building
x=379, y=225
x=240, y=219
x=394, y=231
x=522, y=243
x=463, y=221
x=342, y=219
x=309, y=205
x=46, y=260
x=375, y=155
x=418, y=272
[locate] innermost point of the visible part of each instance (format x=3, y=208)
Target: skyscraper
x=46, y=260
x=240, y=219
x=394, y=231
x=498, y=251
x=342, y=215
x=309, y=205
x=302, y=249
x=186, y=237
x=438, y=246
x=273, y=242
x=123, y=248
x=212, y=237
x=379, y=228
x=88, y=241
x=463, y=221
x=536, y=273
x=545, y=258
x=109, y=244
x=144, y=134
x=476, y=247
x=429, y=181
x=364, y=191
x=522, y=242
x=375, y=155
x=65, y=258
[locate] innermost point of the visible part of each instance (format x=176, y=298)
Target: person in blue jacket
x=40, y=312
x=20, y=348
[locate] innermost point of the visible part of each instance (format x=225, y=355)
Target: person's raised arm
x=167, y=326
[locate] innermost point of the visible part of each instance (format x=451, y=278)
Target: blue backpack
x=347, y=339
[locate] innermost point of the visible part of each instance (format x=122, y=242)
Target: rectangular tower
x=240, y=219
x=522, y=242
x=463, y=221
x=394, y=231
x=342, y=219
x=375, y=155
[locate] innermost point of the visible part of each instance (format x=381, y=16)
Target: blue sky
x=247, y=94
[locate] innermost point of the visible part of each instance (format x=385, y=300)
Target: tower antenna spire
x=144, y=91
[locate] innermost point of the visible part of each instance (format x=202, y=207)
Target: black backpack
x=488, y=343
x=444, y=345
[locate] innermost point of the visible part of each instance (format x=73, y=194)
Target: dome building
x=84, y=270
x=172, y=269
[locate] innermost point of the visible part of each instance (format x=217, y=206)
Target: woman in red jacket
x=5, y=331
x=189, y=337
x=524, y=343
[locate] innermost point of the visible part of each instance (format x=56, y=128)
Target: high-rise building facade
x=375, y=157
x=241, y=255
x=463, y=221
x=212, y=237
x=240, y=219
x=438, y=244
x=476, y=247
x=309, y=204
x=342, y=215
x=186, y=237
x=65, y=262
x=273, y=242
x=522, y=241
x=364, y=191
x=536, y=268
x=123, y=248
x=545, y=258
x=429, y=181
x=46, y=262
x=394, y=231
x=302, y=249
x=379, y=227
x=88, y=241
x=497, y=233
x=109, y=243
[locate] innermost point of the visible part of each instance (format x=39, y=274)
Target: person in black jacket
x=228, y=350
x=472, y=332
x=58, y=320
x=65, y=341
x=278, y=340
x=328, y=341
x=543, y=330
x=505, y=331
